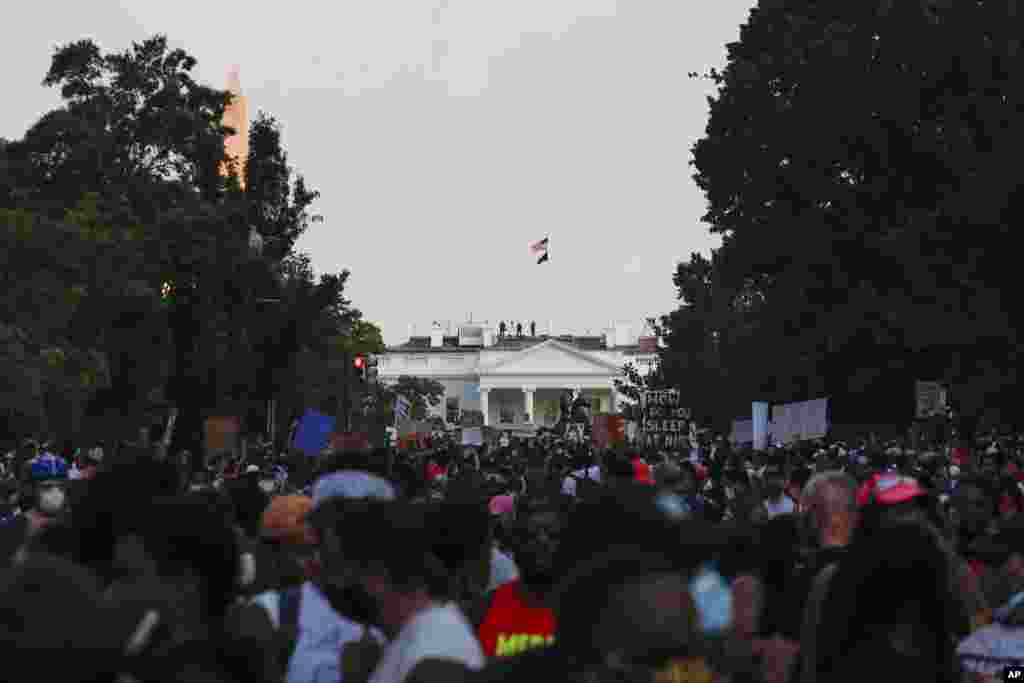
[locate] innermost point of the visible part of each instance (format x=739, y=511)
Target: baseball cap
x=252, y=469
x=892, y=489
x=284, y=520
x=501, y=505
x=352, y=484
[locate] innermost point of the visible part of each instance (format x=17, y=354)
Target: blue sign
x=313, y=432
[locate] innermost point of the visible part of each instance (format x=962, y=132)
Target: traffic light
x=359, y=362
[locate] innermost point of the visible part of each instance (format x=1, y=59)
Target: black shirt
x=790, y=612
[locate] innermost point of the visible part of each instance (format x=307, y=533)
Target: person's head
x=798, y=479
x=53, y=625
x=463, y=536
x=646, y=581
x=830, y=506
x=774, y=481
x=536, y=539
x=1011, y=499
x=976, y=503
x=283, y=528
x=678, y=478
x=378, y=561
x=249, y=502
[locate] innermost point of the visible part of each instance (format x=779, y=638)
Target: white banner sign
x=793, y=422
x=759, y=425
x=742, y=431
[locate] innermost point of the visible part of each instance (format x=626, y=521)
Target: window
x=506, y=416
x=452, y=410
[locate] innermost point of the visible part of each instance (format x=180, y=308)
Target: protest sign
x=349, y=441
x=221, y=433
x=665, y=422
x=793, y=422
x=931, y=399
x=312, y=433
x=472, y=436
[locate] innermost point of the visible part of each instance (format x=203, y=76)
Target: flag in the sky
x=541, y=248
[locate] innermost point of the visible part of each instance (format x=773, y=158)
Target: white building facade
x=514, y=381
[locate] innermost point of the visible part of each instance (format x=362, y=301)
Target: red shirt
x=642, y=472
x=514, y=624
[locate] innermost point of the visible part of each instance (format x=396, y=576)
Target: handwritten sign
x=664, y=422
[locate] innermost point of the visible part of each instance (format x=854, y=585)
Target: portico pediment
x=549, y=358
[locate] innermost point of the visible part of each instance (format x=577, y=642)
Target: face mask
x=268, y=485
x=51, y=500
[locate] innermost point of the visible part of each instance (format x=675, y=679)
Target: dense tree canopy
x=858, y=166
x=130, y=280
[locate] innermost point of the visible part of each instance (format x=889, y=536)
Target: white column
x=484, y=407
x=613, y=406
x=528, y=404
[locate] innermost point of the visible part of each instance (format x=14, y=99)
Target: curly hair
x=896, y=573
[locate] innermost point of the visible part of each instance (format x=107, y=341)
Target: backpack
x=290, y=604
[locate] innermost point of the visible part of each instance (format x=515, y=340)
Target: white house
x=516, y=381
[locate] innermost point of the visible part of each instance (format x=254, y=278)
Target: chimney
x=436, y=336
x=622, y=337
x=551, y=328
x=609, y=336
x=412, y=331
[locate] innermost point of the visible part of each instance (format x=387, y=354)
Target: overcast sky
x=446, y=135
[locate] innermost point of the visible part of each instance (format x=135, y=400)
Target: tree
x=878, y=245
x=118, y=224
x=421, y=392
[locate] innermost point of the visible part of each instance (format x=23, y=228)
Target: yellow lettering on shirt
x=510, y=644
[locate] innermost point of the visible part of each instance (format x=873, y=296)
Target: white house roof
x=551, y=356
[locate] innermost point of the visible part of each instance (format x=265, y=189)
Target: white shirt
x=438, y=632
x=503, y=570
x=322, y=633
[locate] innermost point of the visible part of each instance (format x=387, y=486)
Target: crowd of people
x=544, y=560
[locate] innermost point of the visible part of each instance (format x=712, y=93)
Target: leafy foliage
x=420, y=391
x=129, y=278
x=857, y=166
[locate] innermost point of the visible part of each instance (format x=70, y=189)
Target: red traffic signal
x=359, y=362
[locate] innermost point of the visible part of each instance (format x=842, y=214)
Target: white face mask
x=51, y=500
x=268, y=485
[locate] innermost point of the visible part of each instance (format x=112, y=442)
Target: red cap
x=891, y=489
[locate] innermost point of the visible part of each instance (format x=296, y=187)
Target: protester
x=325, y=626
x=396, y=583
x=516, y=616
x=989, y=650
x=530, y=562
x=909, y=638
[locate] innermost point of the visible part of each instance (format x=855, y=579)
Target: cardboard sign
x=313, y=432
x=665, y=423
x=221, y=433
x=472, y=437
x=349, y=441
x=607, y=430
